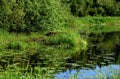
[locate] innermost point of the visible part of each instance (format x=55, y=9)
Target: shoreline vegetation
x=16, y=48
x=38, y=36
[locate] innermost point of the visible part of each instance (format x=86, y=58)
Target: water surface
x=105, y=72
x=100, y=61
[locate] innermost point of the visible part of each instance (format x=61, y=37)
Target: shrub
x=68, y=40
x=14, y=45
x=93, y=7
x=32, y=15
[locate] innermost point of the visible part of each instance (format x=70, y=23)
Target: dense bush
x=32, y=15
x=94, y=7
x=67, y=40
x=14, y=45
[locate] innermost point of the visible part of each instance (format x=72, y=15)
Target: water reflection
x=104, y=72
x=103, y=49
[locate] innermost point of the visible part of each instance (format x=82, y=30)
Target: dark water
x=103, y=51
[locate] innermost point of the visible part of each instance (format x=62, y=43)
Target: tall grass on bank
x=18, y=74
x=97, y=24
x=99, y=20
x=38, y=49
x=51, y=52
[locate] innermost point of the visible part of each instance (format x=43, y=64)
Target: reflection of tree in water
x=117, y=53
x=103, y=49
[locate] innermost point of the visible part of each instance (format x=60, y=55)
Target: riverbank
x=50, y=49
x=98, y=24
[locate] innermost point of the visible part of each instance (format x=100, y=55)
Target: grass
x=97, y=24
x=17, y=50
x=17, y=74
x=98, y=20
x=99, y=29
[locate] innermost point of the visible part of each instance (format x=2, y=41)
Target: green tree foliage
x=40, y=15
x=32, y=15
x=12, y=15
x=94, y=7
